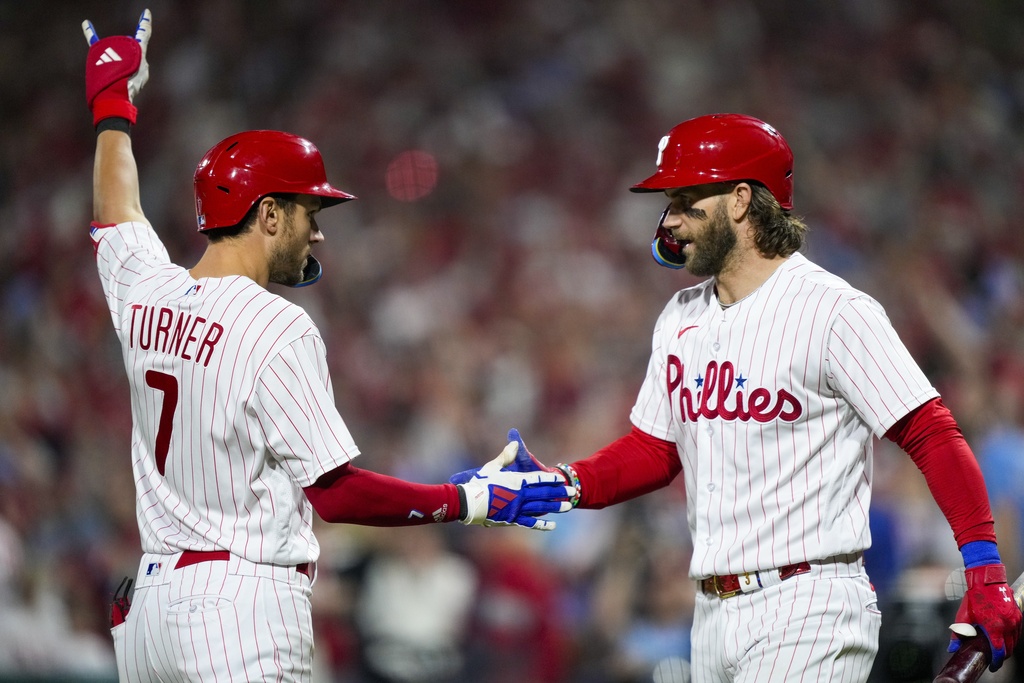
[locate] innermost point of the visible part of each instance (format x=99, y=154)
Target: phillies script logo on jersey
x=722, y=393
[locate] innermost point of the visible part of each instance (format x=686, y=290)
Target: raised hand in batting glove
x=988, y=606
x=492, y=496
x=115, y=70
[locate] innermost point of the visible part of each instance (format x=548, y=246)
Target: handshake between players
x=544, y=484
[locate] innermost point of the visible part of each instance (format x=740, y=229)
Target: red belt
x=733, y=584
x=196, y=556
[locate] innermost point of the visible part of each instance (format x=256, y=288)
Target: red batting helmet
x=723, y=147
x=242, y=169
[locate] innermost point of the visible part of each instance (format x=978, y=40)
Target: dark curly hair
x=777, y=231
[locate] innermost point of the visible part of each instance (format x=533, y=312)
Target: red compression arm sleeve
x=354, y=496
x=636, y=464
x=934, y=441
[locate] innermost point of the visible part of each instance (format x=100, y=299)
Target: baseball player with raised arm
x=236, y=439
x=765, y=387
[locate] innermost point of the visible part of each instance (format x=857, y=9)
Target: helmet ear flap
x=311, y=273
x=665, y=249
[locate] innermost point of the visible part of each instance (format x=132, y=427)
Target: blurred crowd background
x=495, y=273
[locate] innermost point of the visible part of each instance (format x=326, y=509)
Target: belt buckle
x=723, y=594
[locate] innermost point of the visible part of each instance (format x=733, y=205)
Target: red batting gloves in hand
x=989, y=605
x=115, y=70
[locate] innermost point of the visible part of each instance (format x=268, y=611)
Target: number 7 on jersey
x=168, y=385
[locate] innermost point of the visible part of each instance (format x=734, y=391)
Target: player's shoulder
x=260, y=323
x=250, y=312
x=271, y=309
x=697, y=296
x=686, y=304
x=816, y=281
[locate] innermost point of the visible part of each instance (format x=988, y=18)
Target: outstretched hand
x=116, y=69
x=521, y=461
x=494, y=496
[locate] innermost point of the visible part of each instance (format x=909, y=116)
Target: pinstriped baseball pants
x=216, y=621
x=820, y=626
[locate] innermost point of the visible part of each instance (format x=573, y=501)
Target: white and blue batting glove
x=496, y=497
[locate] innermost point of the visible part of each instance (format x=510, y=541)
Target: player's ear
x=739, y=201
x=269, y=215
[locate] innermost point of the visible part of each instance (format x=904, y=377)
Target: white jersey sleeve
x=124, y=253
x=294, y=404
x=870, y=366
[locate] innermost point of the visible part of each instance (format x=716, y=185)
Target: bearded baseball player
x=765, y=386
x=236, y=438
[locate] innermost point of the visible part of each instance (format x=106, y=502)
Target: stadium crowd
x=495, y=273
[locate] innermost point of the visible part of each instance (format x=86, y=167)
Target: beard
x=711, y=249
x=288, y=260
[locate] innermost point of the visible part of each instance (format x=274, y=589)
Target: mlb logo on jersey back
x=153, y=569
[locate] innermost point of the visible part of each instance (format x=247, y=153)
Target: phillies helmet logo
x=723, y=394
x=662, y=146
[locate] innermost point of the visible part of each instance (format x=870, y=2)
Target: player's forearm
x=629, y=467
x=353, y=496
x=115, y=180
x=933, y=440
x=955, y=481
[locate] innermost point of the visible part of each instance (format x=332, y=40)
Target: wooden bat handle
x=968, y=663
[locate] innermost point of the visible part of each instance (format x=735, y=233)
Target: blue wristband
x=977, y=553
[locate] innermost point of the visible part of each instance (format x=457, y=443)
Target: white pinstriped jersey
x=232, y=404
x=772, y=403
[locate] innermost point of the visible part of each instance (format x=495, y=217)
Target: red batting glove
x=115, y=70
x=988, y=604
